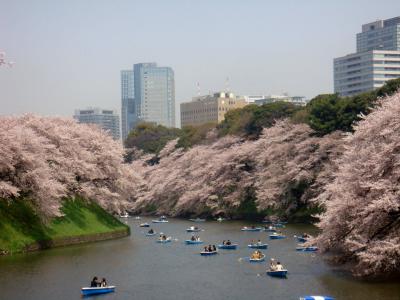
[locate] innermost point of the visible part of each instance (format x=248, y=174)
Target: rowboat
x=281, y=274
x=87, y=291
x=190, y=242
x=307, y=249
x=258, y=246
x=257, y=259
x=276, y=236
x=316, y=298
x=204, y=253
x=160, y=221
x=220, y=219
x=228, y=247
x=270, y=229
x=197, y=220
x=251, y=228
x=169, y=239
x=144, y=225
x=124, y=215
x=301, y=239
x=193, y=229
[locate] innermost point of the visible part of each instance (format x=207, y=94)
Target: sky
x=69, y=53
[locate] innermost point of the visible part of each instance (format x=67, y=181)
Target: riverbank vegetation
x=21, y=227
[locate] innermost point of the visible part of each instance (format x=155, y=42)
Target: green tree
x=193, y=135
x=151, y=138
x=251, y=119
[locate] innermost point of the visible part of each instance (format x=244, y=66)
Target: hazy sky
x=69, y=53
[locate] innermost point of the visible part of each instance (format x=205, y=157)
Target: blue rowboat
x=190, y=242
x=258, y=246
x=193, y=229
x=316, y=298
x=257, y=260
x=87, y=291
x=203, y=253
x=228, y=247
x=251, y=229
x=144, y=225
x=281, y=274
x=276, y=236
x=197, y=220
x=307, y=249
x=168, y=240
x=301, y=239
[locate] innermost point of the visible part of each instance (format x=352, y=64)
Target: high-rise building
x=365, y=71
x=376, y=61
x=147, y=94
x=379, y=35
x=209, y=109
x=108, y=120
x=155, y=93
x=128, y=110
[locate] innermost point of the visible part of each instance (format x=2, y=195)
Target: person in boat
x=94, y=282
x=228, y=242
x=214, y=248
x=223, y=242
x=279, y=266
x=259, y=242
x=193, y=238
x=205, y=249
x=305, y=235
x=209, y=248
x=151, y=231
x=196, y=228
x=103, y=283
x=256, y=255
x=253, y=227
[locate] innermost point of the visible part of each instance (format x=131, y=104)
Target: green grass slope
x=20, y=226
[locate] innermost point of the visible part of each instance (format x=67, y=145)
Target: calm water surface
x=144, y=269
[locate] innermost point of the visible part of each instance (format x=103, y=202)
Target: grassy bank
x=20, y=227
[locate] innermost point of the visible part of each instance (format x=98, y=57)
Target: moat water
x=143, y=269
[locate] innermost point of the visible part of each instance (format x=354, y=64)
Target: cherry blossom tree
x=362, y=221
x=46, y=159
x=218, y=177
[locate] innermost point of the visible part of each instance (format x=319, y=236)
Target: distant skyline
x=69, y=54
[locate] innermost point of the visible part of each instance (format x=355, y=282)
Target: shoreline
x=70, y=241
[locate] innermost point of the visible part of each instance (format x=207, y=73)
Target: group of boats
x=256, y=256
x=275, y=270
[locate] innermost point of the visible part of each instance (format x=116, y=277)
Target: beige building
x=209, y=109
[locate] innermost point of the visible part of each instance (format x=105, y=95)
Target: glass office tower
x=128, y=111
x=380, y=35
x=155, y=93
